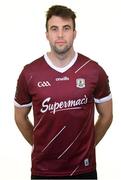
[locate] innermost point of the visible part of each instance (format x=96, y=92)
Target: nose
x=60, y=33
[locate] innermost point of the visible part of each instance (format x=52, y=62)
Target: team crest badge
x=80, y=83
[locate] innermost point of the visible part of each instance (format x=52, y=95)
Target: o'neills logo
x=62, y=105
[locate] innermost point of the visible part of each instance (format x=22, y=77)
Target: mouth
x=60, y=42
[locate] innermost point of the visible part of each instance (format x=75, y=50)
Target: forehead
x=59, y=21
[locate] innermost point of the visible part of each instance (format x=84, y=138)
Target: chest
x=62, y=86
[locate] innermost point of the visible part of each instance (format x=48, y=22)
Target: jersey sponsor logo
x=62, y=79
x=62, y=105
x=80, y=83
x=43, y=84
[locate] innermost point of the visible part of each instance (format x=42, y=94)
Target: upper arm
x=102, y=91
x=22, y=94
x=105, y=109
x=21, y=113
x=23, y=100
x=102, y=95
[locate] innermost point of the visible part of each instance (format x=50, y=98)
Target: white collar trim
x=63, y=69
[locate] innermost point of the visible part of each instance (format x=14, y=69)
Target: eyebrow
x=67, y=26
x=54, y=26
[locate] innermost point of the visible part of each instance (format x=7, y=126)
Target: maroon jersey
x=63, y=104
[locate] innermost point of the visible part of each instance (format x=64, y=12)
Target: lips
x=60, y=42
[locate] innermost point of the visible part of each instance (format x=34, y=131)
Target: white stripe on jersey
x=70, y=145
x=54, y=138
x=102, y=100
x=82, y=66
x=74, y=170
x=39, y=122
x=68, y=109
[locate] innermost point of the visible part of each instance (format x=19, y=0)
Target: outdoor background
x=22, y=40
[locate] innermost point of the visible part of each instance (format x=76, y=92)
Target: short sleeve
x=22, y=96
x=102, y=92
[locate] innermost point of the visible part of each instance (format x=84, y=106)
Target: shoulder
x=89, y=63
x=32, y=68
x=34, y=64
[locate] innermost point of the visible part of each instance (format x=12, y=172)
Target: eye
x=67, y=28
x=54, y=28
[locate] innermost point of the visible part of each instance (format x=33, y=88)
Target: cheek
x=47, y=36
x=71, y=35
x=50, y=37
x=71, y=38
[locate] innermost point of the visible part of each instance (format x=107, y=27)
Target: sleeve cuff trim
x=104, y=99
x=23, y=105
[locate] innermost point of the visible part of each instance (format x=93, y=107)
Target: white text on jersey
x=62, y=79
x=63, y=105
x=43, y=84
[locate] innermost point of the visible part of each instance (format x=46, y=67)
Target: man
x=63, y=86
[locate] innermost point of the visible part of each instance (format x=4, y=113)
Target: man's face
x=60, y=34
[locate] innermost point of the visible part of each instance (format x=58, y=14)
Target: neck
x=61, y=60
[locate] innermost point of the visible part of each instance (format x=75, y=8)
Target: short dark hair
x=61, y=11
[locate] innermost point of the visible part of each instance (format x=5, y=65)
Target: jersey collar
x=63, y=69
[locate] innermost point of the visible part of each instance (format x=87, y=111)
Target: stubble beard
x=61, y=50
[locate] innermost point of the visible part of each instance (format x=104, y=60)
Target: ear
x=75, y=32
x=46, y=33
